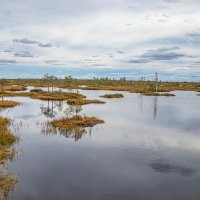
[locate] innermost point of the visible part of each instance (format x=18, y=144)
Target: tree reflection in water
x=48, y=110
x=76, y=133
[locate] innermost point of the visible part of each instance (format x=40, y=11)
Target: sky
x=100, y=38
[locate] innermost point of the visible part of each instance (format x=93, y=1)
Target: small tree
x=2, y=83
x=50, y=80
x=46, y=79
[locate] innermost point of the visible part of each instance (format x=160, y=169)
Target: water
x=148, y=148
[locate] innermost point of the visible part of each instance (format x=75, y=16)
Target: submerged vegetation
x=117, y=95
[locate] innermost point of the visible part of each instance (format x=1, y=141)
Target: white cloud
x=78, y=30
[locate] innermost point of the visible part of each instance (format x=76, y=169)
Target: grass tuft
x=117, y=95
x=7, y=104
x=76, y=121
x=74, y=102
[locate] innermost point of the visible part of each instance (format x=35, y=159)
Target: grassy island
x=76, y=121
x=7, y=104
x=117, y=95
x=84, y=102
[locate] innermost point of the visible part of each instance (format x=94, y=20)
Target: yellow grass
x=76, y=121
x=14, y=88
x=84, y=102
x=57, y=96
x=117, y=95
x=7, y=104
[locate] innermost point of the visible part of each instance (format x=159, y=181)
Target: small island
x=110, y=96
x=76, y=121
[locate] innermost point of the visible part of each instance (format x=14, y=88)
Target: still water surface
x=148, y=148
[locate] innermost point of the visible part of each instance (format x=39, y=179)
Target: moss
x=76, y=121
x=84, y=102
x=7, y=104
x=117, y=95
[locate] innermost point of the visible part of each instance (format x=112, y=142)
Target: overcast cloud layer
x=119, y=37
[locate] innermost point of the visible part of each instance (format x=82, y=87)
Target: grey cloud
x=171, y=1
x=51, y=61
x=110, y=55
x=168, y=48
x=27, y=41
x=8, y=50
x=45, y=45
x=197, y=34
x=24, y=54
x=161, y=54
x=5, y=61
x=137, y=61
x=121, y=52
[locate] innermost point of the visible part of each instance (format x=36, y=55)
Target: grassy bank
x=7, y=140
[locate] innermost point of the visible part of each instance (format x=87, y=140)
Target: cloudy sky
x=96, y=38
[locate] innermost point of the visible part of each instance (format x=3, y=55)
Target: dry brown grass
x=7, y=182
x=8, y=104
x=14, y=88
x=57, y=96
x=7, y=139
x=16, y=94
x=141, y=87
x=84, y=102
x=117, y=95
x=76, y=121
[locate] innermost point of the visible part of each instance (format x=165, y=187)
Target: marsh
x=148, y=148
